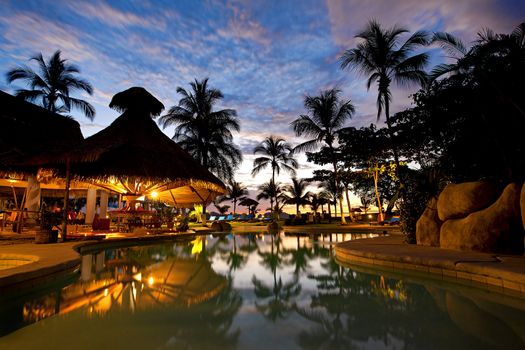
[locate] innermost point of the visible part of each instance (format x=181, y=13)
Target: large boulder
x=459, y=200
x=497, y=228
x=428, y=225
x=222, y=226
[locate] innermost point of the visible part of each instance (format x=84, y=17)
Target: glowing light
x=369, y=216
x=106, y=292
x=154, y=194
x=151, y=281
x=137, y=277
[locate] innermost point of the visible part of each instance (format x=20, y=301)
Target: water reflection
x=254, y=291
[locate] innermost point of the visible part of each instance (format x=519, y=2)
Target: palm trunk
x=336, y=176
x=349, y=206
x=379, y=208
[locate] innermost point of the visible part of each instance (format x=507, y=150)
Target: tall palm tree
x=204, y=133
x=296, y=194
x=277, y=154
x=53, y=85
x=326, y=116
x=384, y=59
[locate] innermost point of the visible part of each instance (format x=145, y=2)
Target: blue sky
x=263, y=55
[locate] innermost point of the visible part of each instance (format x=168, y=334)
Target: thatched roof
x=133, y=156
x=27, y=130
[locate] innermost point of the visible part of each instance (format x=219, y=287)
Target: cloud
x=241, y=26
x=114, y=17
x=28, y=33
x=464, y=18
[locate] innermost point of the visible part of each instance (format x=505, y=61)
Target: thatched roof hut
x=27, y=130
x=133, y=156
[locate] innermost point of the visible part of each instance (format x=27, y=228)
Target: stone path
x=391, y=253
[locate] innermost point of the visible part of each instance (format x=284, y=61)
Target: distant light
x=154, y=194
x=151, y=281
x=369, y=216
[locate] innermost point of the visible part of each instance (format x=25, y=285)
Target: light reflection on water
x=253, y=291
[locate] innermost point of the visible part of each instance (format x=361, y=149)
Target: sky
x=265, y=56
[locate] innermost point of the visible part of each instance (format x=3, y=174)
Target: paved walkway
x=51, y=260
x=391, y=253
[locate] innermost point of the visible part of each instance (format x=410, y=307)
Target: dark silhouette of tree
x=277, y=154
x=204, y=133
x=236, y=192
x=271, y=191
x=384, y=59
x=296, y=194
x=326, y=116
x=53, y=85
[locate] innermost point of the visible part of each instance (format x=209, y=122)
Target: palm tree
x=53, y=84
x=383, y=58
x=327, y=115
x=204, y=133
x=236, y=192
x=277, y=154
x=269, y=190
x=315, y=202
x=297, y=194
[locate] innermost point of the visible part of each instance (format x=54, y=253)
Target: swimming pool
x=253, y=291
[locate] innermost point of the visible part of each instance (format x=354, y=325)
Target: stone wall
x=475, y=216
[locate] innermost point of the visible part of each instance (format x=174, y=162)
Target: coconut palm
x=53, y=85
x=236, y=192
x=327, y=114
x=204, y=133
x=315, y=203
x=269, y=190
x=277, y=154
x=384, y=59
x=296, y=194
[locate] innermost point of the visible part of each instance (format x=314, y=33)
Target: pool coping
x=503, y=273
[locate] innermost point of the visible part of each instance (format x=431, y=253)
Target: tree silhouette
x=204, y=133
x=326, y=116
x=53, y=85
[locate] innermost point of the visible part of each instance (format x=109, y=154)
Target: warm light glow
x=154, y=194
x=151, y=280
x=137, y=277
x=369, y=216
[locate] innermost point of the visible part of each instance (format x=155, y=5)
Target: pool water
x=253, y=291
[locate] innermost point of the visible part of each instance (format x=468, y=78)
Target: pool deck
x=504, y=273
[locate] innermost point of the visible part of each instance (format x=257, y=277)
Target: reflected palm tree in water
x=299, y=258
x=279, y=296
x=236, y=260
